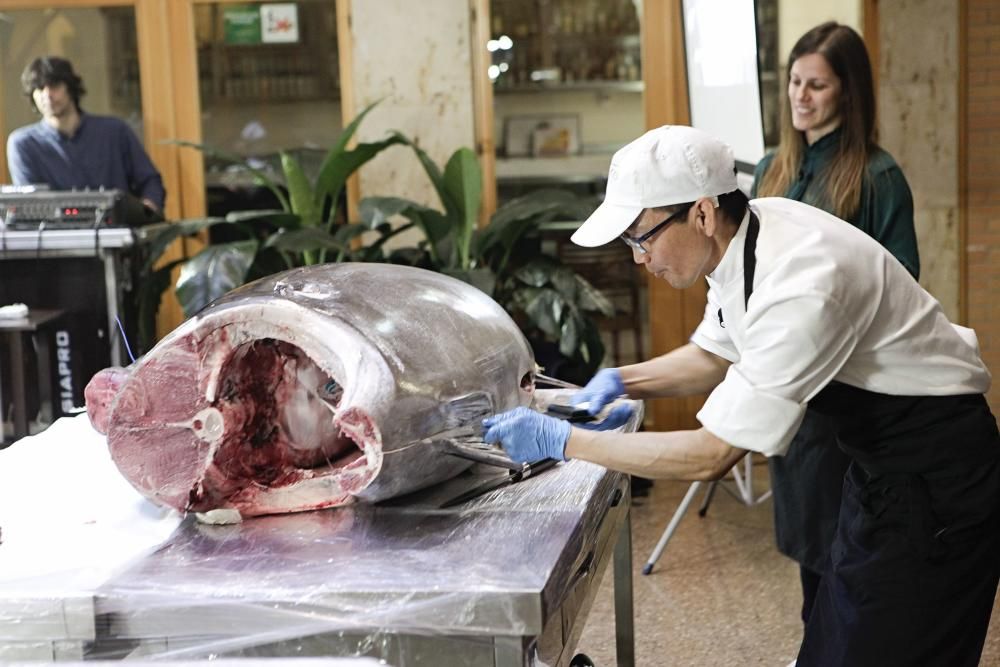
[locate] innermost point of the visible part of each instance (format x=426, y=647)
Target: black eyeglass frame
x=635, y=242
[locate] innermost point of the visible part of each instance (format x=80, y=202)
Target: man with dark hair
x=69, y=149
x=805, y=310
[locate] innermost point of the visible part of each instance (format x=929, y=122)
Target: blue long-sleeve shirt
x=104, y=152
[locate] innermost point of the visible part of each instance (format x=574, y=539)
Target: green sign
x=242, y=24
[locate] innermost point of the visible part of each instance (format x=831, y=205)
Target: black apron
x=915, y=563
x=806, y=483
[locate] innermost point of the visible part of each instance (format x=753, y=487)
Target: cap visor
x=605, y=224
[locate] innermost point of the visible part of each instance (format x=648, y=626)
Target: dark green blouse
x=886, y=211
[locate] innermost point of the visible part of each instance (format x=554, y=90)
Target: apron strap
x=750, y=257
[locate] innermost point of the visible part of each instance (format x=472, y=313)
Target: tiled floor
x=720, y=594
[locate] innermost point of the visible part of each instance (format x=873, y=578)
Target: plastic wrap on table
x=224, y=662
x=501, y=579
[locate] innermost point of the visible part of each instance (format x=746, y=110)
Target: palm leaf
x=259, y=176
x=338, y=166
x=304, y=240
x=463, y=182
x=212, y=272
x=433, y=173
x=300, y=193
x=165, y=237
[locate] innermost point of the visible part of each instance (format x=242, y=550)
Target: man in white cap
x=804, y=310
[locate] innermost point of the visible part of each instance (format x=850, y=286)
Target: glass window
x=567, y=79
x=268, y=82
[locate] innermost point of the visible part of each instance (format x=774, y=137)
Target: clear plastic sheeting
x=90, y=570
x=242, y=662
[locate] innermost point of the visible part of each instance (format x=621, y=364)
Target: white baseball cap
x=673, y=164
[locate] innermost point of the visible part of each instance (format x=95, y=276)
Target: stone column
x=918, y=125
x=416, y=59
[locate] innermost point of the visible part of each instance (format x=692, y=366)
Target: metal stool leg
x=743, y=493
x=17, y=361
x=671, y=527
x=703, y=510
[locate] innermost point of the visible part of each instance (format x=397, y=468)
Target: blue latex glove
x=528, y=436
x=603, y=388
x=617, y=417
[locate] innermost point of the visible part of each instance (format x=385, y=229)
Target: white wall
x=796, y=17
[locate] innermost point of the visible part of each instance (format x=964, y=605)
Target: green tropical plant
x=549, y=300
x=303, y=231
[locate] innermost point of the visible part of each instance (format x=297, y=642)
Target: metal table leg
x=508, y=652
x=624, y=628
x=15, y=341
x=47, y=392
x=111, y=290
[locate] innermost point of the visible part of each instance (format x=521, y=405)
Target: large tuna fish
x=310, y=388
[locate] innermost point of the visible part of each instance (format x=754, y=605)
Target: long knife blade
x=526, y=470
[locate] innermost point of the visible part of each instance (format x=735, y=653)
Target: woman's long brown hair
x=845, y=51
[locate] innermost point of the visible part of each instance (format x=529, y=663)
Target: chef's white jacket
x=828, y=303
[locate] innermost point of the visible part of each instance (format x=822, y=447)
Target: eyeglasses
x=635, y=242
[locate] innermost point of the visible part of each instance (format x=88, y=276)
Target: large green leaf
x=434, y=225
x=463, y=182
x=165, y=236
x=524, y=214
x=592, y=299
x=240, y=163
x=338, y=166
x=300, y=192
x=564, y=279
x=437, y=179
x=344, y=234
x=304, y=240
x=544, y=308
x=483, y=279
x=374, y=211
x=569, y=336
x=536, y=273
x=213, y=272
x=408, y=256
x=537, y=202
x=271, y=217
x=351, y=128
x=386, y=232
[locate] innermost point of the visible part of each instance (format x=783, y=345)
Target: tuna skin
x=311, y=389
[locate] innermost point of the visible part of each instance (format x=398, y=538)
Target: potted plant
x=303, y=231
x=550, y=301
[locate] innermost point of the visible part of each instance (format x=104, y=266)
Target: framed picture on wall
x=542, y=135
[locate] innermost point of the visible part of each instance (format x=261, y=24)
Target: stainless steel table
x=506, y=579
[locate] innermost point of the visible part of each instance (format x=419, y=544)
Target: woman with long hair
x=828, y=156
